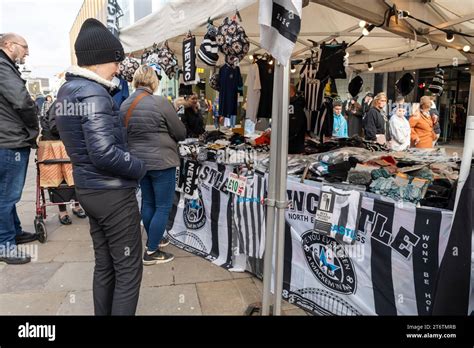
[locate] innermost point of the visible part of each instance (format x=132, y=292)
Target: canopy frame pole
x=282, y=203
x=270, y=203
x=466, y=161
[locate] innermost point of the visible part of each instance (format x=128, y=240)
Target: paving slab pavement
x=59, y=281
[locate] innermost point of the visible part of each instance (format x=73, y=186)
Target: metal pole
x=270, y=202
x=281, y=200
x=466, y=158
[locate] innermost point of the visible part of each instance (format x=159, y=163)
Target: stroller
x=54, y=174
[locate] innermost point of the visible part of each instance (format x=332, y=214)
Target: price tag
x=236, y=184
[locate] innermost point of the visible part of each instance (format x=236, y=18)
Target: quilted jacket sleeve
x=101, y=142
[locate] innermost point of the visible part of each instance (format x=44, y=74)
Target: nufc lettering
x=189, y=65
x=213, y=178
x=403, y=243
x=191, y=172
x=303, y=206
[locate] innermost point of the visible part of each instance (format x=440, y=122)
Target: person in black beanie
x=106, y=175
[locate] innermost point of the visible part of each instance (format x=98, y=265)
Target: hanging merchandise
x=152, y=62
x=127, y=68
x=266, y=71
x=355, y=86
x=280, y=24
x=405, y=84
x=230, y=81
x=232, y=41
x=208, y=51
x=325, y=121
x=189, y=59
x=331, y=61
x=436, y=87
x=214, y=80
x=114, y=13
x=167, y=60
x=337, y=215
x=253, y=92
x=309, y=85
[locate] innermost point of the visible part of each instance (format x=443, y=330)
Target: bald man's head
x=15, y=46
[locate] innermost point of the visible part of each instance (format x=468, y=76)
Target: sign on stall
x=236, y=184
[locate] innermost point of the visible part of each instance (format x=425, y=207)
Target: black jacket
x=93, y=133
x=297, y=125
x=18, y=112
x=49, y=130
x=194, y=123
x=374, y=123
x=154, y=130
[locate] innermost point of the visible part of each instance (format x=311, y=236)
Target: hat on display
x=128, y=67
x=208, y=51
x=152, y=62
x=405, y=84
x=168, y=61
x=214, y=80
x=232, y=40
x=436, y=86
x=95, y=44
x=355, y=86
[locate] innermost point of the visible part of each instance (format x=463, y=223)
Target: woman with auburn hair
x=421, y=124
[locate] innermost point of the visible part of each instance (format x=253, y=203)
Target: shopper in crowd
x=297, y=123
x=339, y=129
x=192, y=118
x=367, y=103
x=46, y=106
x=353, y=113
x=421, y=123
x=375, y=122
x=400, y=104
x=49, y=132
x=154, y=130
x=106, y=175
x=18, y=131
x=435, y=118
x=215, y=113
x=400, y=131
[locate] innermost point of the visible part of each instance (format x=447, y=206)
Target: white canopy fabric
x=321, y=22
x=175, y=18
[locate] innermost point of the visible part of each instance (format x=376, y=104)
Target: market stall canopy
x=324, y=20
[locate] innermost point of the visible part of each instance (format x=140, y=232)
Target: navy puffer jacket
x=93, y=133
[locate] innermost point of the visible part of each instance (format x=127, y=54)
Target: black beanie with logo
x=95, y=44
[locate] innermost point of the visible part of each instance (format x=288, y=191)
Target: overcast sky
x=45, y=24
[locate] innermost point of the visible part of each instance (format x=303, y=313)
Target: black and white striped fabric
x=391, y=270
x=310, y=86
x=204, y=226
x=209, y=50
x=249, y=215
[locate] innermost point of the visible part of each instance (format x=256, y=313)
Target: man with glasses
x=18, y=133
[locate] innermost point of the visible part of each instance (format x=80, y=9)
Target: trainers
x=164, y=242
x=157, y=257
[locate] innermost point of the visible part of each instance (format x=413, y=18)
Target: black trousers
x=116, y=234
